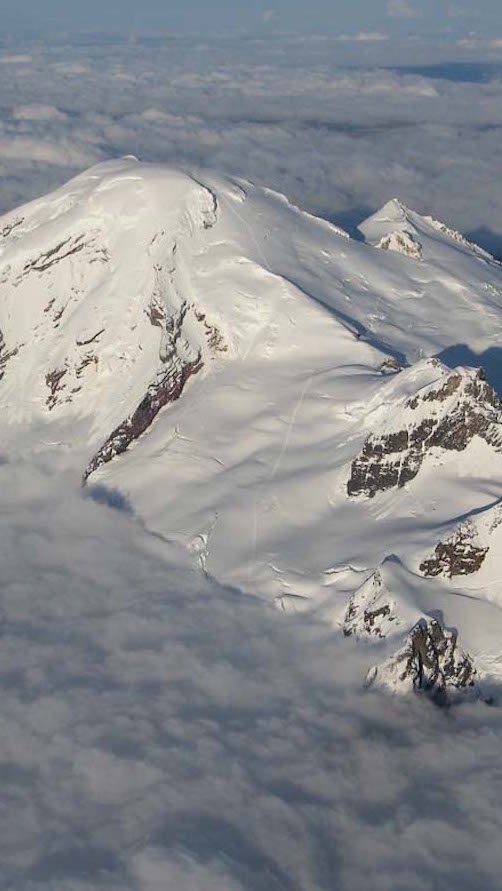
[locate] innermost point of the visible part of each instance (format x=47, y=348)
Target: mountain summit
x=275, y=396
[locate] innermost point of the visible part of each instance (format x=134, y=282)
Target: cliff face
x=432, y=662
x=445, y=415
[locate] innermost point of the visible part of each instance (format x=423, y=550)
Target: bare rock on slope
x=445, y=415
x=431, y=661
x=372, y=610
x=458, y=555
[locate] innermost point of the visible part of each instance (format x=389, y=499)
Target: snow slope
x=222, y=359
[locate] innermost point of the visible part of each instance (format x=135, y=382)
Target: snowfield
x=270, y=412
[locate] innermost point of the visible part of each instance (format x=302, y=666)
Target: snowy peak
x=221, y=358
x=91, y=299
x=397, y=228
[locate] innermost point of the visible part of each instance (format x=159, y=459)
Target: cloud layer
x=160, y=732
x=325, y=121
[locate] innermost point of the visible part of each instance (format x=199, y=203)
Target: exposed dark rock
x=448, y=389
x=370, y=620
x=89, y=359
x=54, y=255
x=161, y=393
x=390, y=366
x=395, y=458
x=430, y=662
x=59, y=314
x=53, y=381
x=371, y=610
x=10, y=227
x=433, y=661
x=214, y=336
x=67, y=248
x=457, y=556
x=156, y=313
x=90, y=339
x=6, y=355
x=371, y=473
x=178, y=364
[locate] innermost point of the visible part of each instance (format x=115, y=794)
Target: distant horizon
x=389, y=17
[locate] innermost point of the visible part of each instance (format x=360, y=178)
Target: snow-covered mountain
x=289, y=404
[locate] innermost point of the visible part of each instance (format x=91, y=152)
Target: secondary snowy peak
x=397, y=228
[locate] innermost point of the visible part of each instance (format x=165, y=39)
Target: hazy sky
x=336, y=15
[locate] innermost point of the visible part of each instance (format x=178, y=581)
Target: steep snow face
x=91, y=308
x=232, y=366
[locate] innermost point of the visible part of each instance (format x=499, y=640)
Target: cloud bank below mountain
x=159, y=730
x=329, y=124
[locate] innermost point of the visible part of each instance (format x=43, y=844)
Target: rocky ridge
x=445, y=415
x=431, y=662
x=458, y=555
x=402, y=242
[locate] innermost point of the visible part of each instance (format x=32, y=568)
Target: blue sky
x=334, y=15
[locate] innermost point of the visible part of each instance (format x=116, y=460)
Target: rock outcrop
x=403, y=242
x=179, y=362
x=431, y=661
x=371, y=610
x=5, y=355
x=458, y=555
x=445, y=416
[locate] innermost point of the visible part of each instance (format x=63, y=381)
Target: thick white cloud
x=157, y=731
x=365, y=37
x=38, y=112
